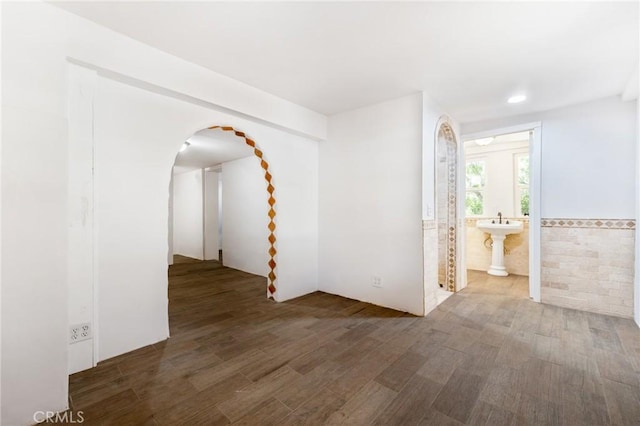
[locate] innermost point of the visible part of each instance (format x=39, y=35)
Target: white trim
x=535, y=158
x=636, y=281
x=502, y=131
x=461, y=244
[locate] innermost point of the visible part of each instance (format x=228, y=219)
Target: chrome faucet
x=499, y=217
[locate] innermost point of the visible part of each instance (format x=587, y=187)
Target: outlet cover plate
x=376, y=281
x=80, y=332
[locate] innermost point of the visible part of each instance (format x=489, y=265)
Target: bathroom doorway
x=501, y=208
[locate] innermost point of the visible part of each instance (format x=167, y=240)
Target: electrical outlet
x=80, y=332
x=376, y=281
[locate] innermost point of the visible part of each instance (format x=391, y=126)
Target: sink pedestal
x=497, y=257
x=499, y=232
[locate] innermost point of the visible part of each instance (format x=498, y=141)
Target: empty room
x=320, y=213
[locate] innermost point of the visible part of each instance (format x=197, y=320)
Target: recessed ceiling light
x=517, y=99
x=184, y=146
x=483, y=141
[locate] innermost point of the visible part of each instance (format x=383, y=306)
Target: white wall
x=244, y=216
x=80, y=243
x=188, y=218
x=194, y=208
x=370, y=204
x=136, y=136
x=150, y=128
x=588, y=158
x=170, y=224
x=211, y=234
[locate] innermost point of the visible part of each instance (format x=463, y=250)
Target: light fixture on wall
x=516, y=99
x=184, y=146
x=484, y=141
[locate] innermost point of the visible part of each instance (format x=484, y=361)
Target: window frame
x=482, y=190
x=518, y=187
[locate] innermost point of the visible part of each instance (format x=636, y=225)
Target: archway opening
x=446, y=207
x=199, y=215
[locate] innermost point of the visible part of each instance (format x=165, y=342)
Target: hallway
x=487, y=355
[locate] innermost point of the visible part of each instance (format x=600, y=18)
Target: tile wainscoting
x=430, y=248
x=588, y=264
x=516, y=258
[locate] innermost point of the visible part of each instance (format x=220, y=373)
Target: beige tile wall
x=516, y=257
x=588, y=267
x=430, y=236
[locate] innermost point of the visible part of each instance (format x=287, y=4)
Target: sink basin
x=513, y=227
x=499, y=232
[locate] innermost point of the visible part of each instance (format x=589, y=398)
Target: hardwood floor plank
x=269, y=413
x=253, y=395
x=440, y=365
x=490, y=415
x=203, y=401
x=616, y=367
x=207, y=376
x=623, y=403
x=411, y=404
x=503, y=388
x=364, y=407
x=366, y=370
x=316, y=410
x=535, y=411
x=458, y=396
x=397, y=374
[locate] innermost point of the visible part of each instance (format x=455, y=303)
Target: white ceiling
x=333, y=56
x=209, y=148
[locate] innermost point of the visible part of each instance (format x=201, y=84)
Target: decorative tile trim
x=452, y=165
x=589, y=223
x=428, y=224
x=472, y=221
x=271, y=277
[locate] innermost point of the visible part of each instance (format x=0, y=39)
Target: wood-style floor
x=486, y=356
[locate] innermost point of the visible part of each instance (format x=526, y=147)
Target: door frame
x=535, y=177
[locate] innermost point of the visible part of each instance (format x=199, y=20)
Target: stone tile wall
x=588, y=264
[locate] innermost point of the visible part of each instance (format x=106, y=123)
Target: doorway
x=446, y=209
x=200, y=213
x=502, y=183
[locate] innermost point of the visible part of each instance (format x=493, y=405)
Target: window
x=522, y=184
x=475, y=184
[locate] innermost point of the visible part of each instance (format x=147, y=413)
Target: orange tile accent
x=271, y=288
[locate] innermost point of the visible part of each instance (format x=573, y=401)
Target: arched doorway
x=446, y=154
x=241, y=137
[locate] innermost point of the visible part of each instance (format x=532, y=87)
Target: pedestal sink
x=499, y=232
